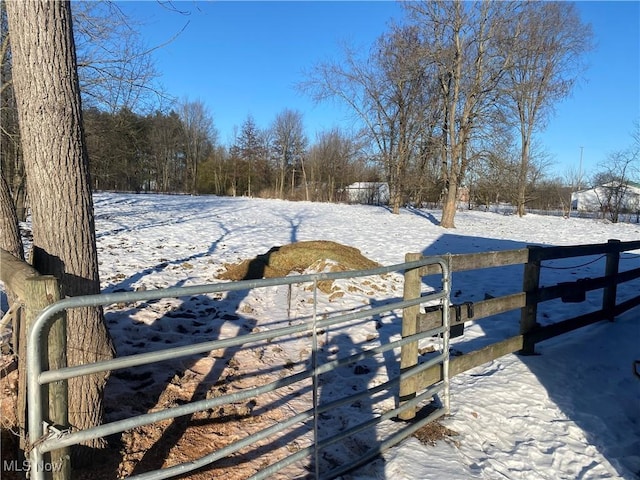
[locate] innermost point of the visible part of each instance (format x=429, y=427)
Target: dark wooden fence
x=532, y=294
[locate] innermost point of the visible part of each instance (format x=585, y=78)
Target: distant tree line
x=448, y=102
x=178, y=152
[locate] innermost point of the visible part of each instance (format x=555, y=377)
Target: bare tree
x=216, y=173
x=289, y=146
x=166, y=150
x=333, y=164
x=574, y=177
x=50, y=115
x=385, y=92
x=611, y=183
x=250, y=149
x=550, y=194
x=199, y=136
x=405, y=103
x=548, y=43
x=461, y=43
x=494, y=175
x=115, y=67
x=536, y=174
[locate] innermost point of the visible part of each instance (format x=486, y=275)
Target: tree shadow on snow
x=197, y=319
x=589, y=376
x=587, y=373
x=189, y=379
x=424, y=214
x=161, y=210
x=333, y=386
x=205, y=319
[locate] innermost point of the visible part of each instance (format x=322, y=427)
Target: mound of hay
x=298, y=257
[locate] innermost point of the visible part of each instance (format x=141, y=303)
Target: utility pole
x=580, y=168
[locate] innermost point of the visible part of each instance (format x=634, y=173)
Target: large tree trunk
x=522, y=173
x=306, y=183
x=55, y=156
x=449, y=206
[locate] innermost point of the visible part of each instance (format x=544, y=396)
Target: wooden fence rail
x=526, y=301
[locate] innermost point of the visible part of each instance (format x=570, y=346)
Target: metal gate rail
x=43, y=438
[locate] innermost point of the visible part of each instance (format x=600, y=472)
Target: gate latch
x=457, y=330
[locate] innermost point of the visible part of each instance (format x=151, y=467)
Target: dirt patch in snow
x=433, y=432
x=167, y=443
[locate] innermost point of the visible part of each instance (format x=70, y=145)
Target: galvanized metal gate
x=46, y=438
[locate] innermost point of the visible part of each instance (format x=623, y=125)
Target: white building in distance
x=368, y=193
x=607, y=196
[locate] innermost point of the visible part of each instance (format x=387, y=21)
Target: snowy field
x=572, y=412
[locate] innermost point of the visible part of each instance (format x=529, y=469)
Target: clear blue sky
x=242, y=58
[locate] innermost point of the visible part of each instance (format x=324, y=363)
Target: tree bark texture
x=64, y=244
x=10, y=239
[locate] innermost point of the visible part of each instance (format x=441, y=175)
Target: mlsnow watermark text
x=27, y=465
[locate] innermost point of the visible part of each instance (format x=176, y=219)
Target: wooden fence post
x=39, y=292
x=611, y=272
x=13, y=273
x=409, y=352
x=529, y=313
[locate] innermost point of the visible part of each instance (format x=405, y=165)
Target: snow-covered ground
x=572, y=412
